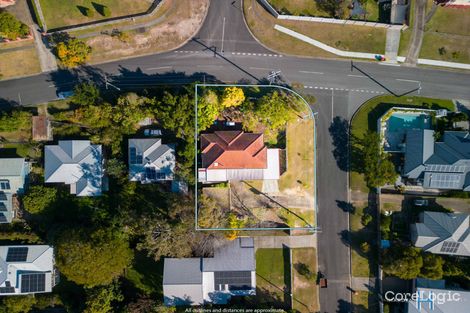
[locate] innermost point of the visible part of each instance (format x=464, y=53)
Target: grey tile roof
x=11, y=166
x=182, y=271
x=440, y=165
x=155, y=154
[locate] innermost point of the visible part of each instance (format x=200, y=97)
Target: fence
x=272, y=10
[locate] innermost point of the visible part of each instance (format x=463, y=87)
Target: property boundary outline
x=313, y=228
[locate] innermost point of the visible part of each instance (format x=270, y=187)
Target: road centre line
x=308, y=72
x=408, y=80
x=360, y=76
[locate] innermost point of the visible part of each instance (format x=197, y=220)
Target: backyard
x=66, y=13
x=345, y=37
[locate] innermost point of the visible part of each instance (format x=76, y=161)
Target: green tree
x=10, y=27
x=129, y=110
x=209, y=214
x=86, y=94
x=101, y=299
x=378, y=169
x=72, y=52
x=208, y=109
x=403, y=262
x=17, y=120
x=365, y=247
x=432, y=266
x=106, y=11
x=18, y=304
x=92, y=259
x=366, y=219
x=232, y=97
x=116, y=168
x=39, y=198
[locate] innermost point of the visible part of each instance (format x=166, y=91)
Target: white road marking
x=360, y=76
x=332, y=104
x=408, y=80
x=260, y=68
x=308, y=72
x=223, y=34
x=157, y=68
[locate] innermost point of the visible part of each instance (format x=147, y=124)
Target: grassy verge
x=272, y=277
x=19, y=63
x=298, y=7
x=65, y=13
x=363, y=302
x=305, y=288
x=300, y=156
x=361, y=263
x=179, y=25
x=345, y=37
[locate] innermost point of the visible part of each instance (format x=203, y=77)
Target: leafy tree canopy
x=10, y=27
x=403, y=262
x=92, y=259
x=14, y=121
x=39, y=198
x=101, y=299
x=18, y=304
x=73, y=52
x=432, y=266
x=86, y=94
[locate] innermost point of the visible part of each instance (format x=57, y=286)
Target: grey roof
x=435, y=228
x=424, y=305
x=440, y=165
x=77, y=163
x=236, y=256
x=182, y=271
x=11, y=166
x=6, y=207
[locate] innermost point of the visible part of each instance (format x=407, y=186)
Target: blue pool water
x=403, y=121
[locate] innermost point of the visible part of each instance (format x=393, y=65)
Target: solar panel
x=7, y=289
x=17, y=254
x=3, y=207
x=3, y=196
x=237, y=280
x=3, y=218
x=33, y=282
x=450, y=247
x=150, y=173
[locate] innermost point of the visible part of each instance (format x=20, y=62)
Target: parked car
x=229, y=123
x=421, y=202
x=64, y=94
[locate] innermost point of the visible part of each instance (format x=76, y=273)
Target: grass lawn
x=298, y=7
x=305, y=289
x=447, y=35
x=273, y=277
x=360, y=263
x=66, y=13
x=19, y=63
x=364, y=302
x=146, y=275
x=300, y=156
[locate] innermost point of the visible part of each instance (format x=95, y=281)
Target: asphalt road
x=224, y=51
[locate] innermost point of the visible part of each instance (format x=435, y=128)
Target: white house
x=26, y=269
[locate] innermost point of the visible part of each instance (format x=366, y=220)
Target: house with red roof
x=236, y=155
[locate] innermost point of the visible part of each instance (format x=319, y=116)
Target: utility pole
x=273, y=75
x=108, y=83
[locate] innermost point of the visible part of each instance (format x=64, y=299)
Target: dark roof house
x=438, y=165
x=195, y=281
x=42, y=130
x=442, y=233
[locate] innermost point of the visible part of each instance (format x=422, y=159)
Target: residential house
x=442, y=233
x=150, y=160
x=13, y=175
x=42, y=129
x=77, y=163
x=464, y=4
x=236, y=155
x=433, y=296
x=26, y=269
x=195, y=281
x=438, y=165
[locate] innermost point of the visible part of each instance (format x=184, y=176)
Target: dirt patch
x=180, y=25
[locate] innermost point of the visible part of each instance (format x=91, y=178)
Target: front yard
x=305, y=289
x=17, y=63
x=67, y=13
x=447, y=35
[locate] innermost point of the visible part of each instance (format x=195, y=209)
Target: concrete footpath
x=304, y=241
x=364, y=55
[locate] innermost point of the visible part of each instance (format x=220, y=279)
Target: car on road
x=62, y=95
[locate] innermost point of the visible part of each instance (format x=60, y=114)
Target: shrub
x=11, y=27
x=106, y=11
x=365, y=247
x=305, y=271
x=366, y=219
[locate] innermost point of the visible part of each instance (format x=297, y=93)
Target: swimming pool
x=399, y=123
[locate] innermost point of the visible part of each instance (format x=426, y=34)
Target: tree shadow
x=6, y=104
x=339, y=132
x=346, y=206
x=83, y=10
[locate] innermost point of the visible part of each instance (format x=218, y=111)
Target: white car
x=421, y=202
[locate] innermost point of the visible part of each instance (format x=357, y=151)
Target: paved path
x=392, y=44
x=47, y=59
x=304, y=241
x=418, y=32
x=363, y=283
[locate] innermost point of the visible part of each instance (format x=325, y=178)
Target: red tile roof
x=233, y=150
